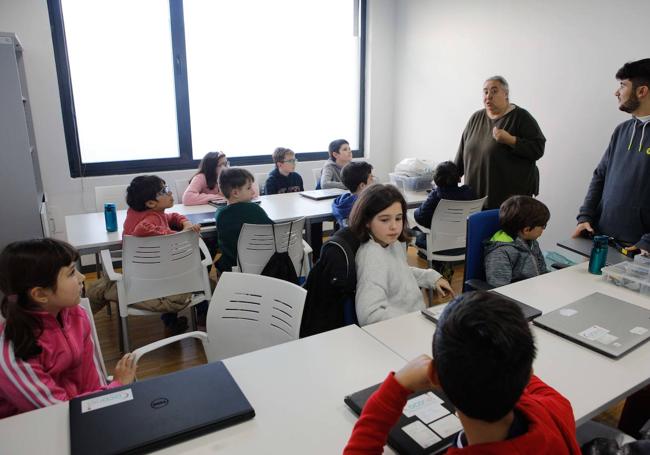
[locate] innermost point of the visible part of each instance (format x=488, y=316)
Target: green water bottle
x=598, y=257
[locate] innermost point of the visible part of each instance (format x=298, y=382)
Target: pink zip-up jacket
x=66, y=367
x=198, y=193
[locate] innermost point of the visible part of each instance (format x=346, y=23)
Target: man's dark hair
x=637, y=72
x=519, y=212
x=143, y=188
x=335, y=146
x=355, y=173
x=484, y=351
x=233, y=178
x=374, y=199
x=446, y=174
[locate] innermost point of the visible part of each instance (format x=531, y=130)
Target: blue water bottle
x=598, y=257
x=110, y=216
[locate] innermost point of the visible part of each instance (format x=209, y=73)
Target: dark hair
x=519, y=212
x=484, y=351
x=637, y=72
x=143, y=188
x=335, y=146
x=279, y=153
x=25, y=265
x=233, y=178
x=355, y=173
x=208, y=167
x=446, y=174
x=371, y=201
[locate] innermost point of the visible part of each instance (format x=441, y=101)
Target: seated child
x=513, y=254
x=237, y=186
x=203, y=187
x=340, y=155
x=355, y=176
x=148, y=197
x=483, y=352
x=386, y=286
x=46, y=339
x=283, y=179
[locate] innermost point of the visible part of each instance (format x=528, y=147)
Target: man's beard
x=631, y=105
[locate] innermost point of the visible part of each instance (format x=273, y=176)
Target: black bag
x=280, y=265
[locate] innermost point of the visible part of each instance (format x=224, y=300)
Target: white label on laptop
x=421, y=402
x=607, y=338
x=568, y=312
x=447, y=426
x=421, y=434
x=594, y=332
x=110, y=399
x=432, y=412
x=638, y=330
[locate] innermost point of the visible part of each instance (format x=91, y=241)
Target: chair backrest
x=160, y=266
x=480, y=227
x=317, y=173
x=113, y=193
x=181, y=186
x=249, y=312
x=98, y=357
x=449, y=223
x=260, y=179
x=258, y=242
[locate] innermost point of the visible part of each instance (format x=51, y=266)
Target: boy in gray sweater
x=513, y=254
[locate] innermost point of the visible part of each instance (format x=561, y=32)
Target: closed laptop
x=318, y=195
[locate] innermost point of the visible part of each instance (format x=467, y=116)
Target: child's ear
x=433, y=373
x=39, y=294
x=150, y=204
x=526, y=230
x=362, y=185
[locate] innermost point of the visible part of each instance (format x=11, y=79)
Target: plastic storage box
x=632, y=275
x=417, y=183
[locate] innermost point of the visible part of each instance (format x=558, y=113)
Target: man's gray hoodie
x=508, y=260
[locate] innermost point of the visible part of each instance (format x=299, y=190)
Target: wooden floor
x=188, y=353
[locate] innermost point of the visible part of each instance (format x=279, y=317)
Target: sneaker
x=177, y=327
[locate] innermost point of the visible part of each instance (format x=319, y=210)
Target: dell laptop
x=202, y=219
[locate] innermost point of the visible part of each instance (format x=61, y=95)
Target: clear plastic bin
x=418, y=183
x=632, y=275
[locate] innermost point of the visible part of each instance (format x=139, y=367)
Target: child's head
x=236, y=184
x=39, y=275
x=523, y=216
x=483, y=353
x=211, y=165
x=285, y=160
x=446, y=174
x=380, y=211
x=149, y=192
x=356, y=175
x=340, y=152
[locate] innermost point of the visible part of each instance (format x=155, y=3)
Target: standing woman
x=499, y=147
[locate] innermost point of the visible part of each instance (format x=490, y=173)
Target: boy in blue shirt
x=355, y=176
x=283, y=179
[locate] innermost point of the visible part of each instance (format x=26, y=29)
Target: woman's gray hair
x=501, y=80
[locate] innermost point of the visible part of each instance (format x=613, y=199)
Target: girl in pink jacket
x=47, y=352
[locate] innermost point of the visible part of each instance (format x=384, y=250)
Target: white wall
x=29, y=20
x=559, y=57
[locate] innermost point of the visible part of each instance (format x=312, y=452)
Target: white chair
x=181, y=186
x=260, y=179
x=317, y=173
x=98, y=357
x=159, y=266
x=246, y=313
x=114, y=193
x=258, y=242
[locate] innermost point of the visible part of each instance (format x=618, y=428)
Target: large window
x=152, y=85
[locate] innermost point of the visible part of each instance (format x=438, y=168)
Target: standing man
x=499, y=147
x=618, y=199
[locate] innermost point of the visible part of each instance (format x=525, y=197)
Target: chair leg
x=430, y=296
x=125, y=336
x=193, y=317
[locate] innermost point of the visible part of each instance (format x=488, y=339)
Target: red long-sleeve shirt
x=149, y=223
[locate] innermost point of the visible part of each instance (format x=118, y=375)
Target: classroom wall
x=559, y=57
x=29, y=20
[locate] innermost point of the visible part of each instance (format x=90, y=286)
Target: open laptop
x=158, y=412
x=530, y=313
x=599, y=322
x=204, y=219
x=318, y=195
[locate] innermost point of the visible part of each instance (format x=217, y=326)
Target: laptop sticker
x=639, y=330
x=568, y=312
x=92, y=404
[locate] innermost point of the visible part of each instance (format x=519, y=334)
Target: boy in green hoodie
x=513, y=254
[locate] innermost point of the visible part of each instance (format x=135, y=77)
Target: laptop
x=599, y=322
x=428, y=423
x=582, y=246
x=222, y=202
x=204, y=219
x=530, y=313
x=158, y=412
x=318, y=195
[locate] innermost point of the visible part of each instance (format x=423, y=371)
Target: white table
x=87, y=231
x=591, y=381
x=297, y=390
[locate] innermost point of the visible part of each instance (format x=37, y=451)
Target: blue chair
x=480, y=227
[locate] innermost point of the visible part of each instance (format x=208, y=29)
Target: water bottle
x=598, y=257
x=110, y=216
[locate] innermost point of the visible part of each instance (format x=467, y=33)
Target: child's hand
x=416, y=375
x=125, y=369
x=188, y=226
x=443, y=287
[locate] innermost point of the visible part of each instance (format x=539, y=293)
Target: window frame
x=185, y=159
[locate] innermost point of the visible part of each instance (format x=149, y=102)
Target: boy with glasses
x=283, y=179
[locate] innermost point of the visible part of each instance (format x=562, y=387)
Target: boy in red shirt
x=483, y=351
